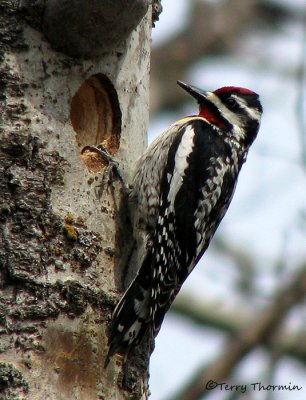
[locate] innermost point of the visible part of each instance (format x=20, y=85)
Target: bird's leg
x=112, y=167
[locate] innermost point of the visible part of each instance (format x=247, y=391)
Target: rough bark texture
x=62, y=243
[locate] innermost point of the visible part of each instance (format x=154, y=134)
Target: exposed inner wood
x=96, y=118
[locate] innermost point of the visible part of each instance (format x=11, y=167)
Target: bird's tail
x=131, y=317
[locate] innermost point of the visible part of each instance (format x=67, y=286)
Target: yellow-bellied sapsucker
x=182, y=188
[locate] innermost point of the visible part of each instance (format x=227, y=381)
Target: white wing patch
x=181, y=163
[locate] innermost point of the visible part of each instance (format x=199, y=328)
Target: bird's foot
x=112, y=170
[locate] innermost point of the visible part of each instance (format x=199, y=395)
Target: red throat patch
x=211, y=117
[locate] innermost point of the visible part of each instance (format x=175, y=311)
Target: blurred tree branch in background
x=260, y=331
x=213, y=28
x=233, y=321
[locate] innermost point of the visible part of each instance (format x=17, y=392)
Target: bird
x=182, y=187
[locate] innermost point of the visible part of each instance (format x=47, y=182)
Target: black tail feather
x=130, y=320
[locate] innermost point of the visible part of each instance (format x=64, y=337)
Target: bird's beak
x=195, y=92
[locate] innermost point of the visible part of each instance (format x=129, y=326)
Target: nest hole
x=96, y=119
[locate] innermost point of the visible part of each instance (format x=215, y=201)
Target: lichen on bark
x=12, y=380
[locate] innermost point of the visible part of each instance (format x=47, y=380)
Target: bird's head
x=234, y=110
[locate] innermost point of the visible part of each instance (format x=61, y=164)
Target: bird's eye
x=231, y=103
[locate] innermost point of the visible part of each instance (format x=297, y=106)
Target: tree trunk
x=63, y=237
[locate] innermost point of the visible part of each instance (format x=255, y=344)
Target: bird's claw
x=113, y=165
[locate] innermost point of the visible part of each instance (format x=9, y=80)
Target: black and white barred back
x=182, y=188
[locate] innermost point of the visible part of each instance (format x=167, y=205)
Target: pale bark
x=62, y=246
